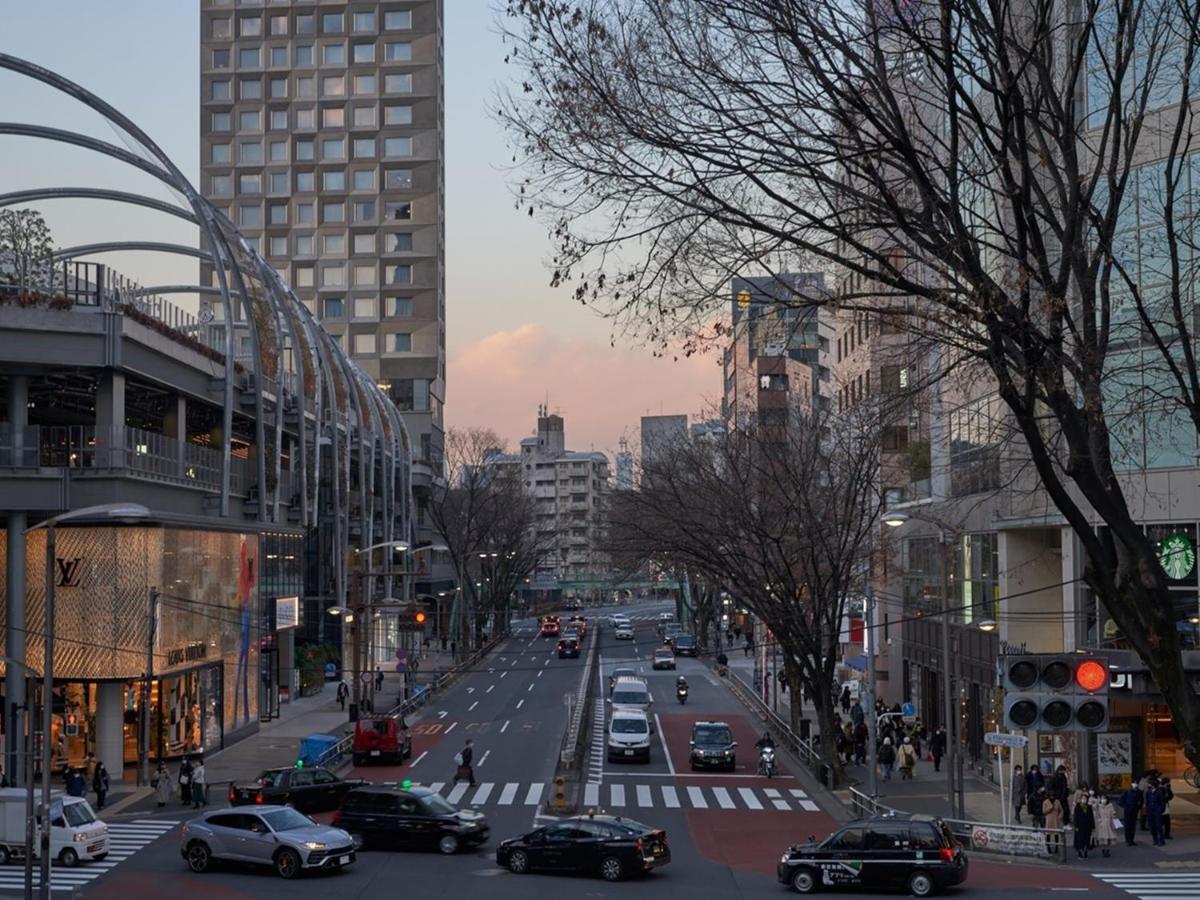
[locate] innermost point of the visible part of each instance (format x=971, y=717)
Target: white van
x=75, y=832
x=631, y=693
x=628, y=736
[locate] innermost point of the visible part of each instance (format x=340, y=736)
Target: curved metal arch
x=90, y=143
x=178, y=289
x=112, y=246
x=83, y=193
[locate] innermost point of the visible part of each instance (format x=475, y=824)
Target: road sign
x=909, y=712
x=365, y=677
x=998, y=739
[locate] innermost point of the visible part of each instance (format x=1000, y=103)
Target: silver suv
x=276, y=836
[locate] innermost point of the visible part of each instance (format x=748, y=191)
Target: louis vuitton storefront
x=203, y=589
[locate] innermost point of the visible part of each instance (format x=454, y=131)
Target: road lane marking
x=723, y=798
x=437, y=786
x=504, y=727
x=451, y=727
x=749, y=799
x=617, y=794
x=530, y=688
x=483, y=759
x=535, y=794
x=472, y=706
x=663, y=739
x=520, y=703
x=424, y=753
x=696, y=795
x=591, y=795
x=798, y=794
x=502, y=674
x=457, y=791
x=442, y=714
x=507, y=795
x=470, y=690
x=491, y=687
x=539, y=674
x=809, y=806
x=670, y=798
x=643, y=795
x=481, y=795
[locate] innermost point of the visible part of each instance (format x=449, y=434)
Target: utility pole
x=869, y=699
x=151, y=627
x=356, y=587
x=947, y=679
x=47, y=712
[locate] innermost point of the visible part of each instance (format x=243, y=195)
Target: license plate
x=374, y=752
x=343, y=860
x=629, y=753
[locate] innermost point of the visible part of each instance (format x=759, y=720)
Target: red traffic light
x=1091, y=675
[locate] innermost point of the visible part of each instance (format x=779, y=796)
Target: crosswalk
x=125, y=839
x=631, y=796
x=1151, y=885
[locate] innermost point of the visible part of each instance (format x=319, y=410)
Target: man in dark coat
x=1131, y=804
x=937, y=747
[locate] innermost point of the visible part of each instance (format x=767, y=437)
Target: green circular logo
x=1177, y=555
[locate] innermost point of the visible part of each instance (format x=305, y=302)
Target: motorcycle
x=681, y=694
x=766, y=761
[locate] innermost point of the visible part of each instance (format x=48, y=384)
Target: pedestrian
x=454, y=650
x=937, y=748
x=185, y=781
x=860, y=742
x=783, y=682
x=1018, y=793
x=341, y=695
x=161, y=782
x=378, y=678
x=89, y=767
x=737, y=632
x=729, y=639
x=908, y=759
x=76, y=786
x=1156, y=804
x=1034, y=782
x=1052, y=817
x=846, y=699
x=1168, y=796
x=887, y=758
x=1081, y=791
x=463, y=758
x=1083, y=820
x=856, y=712
x=1143, y=786
x=198, y=786
x=749, y=645
x=1131, y=805
x=100, y=784
x=1057, y=786
x=1035, y=808
x=444, y=640
x=3, y=777
x=918, y=735
x=1107, y=824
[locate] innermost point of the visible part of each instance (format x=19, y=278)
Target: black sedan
x=909, y=852
x=412, y=818
x=568, y=648
x=610, y=846
x=684, y=645
x=308, y=790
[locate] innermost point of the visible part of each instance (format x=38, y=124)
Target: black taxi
x=912, y=852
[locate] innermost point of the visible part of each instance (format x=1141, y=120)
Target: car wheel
x=920, y=884
x=69, y=858
x=287, y=863
x=611, y=869
x=804, y=880
x=518, y=862
x=199, y=858
x=448, y=844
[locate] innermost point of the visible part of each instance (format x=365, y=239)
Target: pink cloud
x=601, y=391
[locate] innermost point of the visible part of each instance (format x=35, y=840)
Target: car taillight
x=641, y=847
x=337, y=817
x=947, y=855
x=232, y=794
x=258, y=798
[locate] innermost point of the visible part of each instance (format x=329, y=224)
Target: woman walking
x=1083, y=819
x=161, y=782
x=1106, y=827
x=1052, y=821
x=100, y=784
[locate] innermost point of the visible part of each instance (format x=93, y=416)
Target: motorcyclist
x=765, y=741
x=681, y=685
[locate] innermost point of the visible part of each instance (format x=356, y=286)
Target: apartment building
x=321, y=137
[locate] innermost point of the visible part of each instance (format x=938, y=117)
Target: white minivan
x=75, y=832
x=631, y=693
x=628, y=736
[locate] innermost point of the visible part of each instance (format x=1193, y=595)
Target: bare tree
x=780, y=517
x=26, y=247
x=1014, y=179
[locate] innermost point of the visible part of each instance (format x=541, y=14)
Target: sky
x=512, y=341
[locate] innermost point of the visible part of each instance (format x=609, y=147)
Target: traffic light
x=1055, y=691
x=411, y=617
x=72, y=725
x=420, y=617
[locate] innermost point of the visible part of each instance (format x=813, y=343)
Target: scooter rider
x=766, y=754
x=681, y=688
x=765, y=741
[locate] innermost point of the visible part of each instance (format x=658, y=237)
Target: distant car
x=624, y=633
x=666, y=617
x=631, y=693
x=672, y=631
x=380, y=739
x=620, y=672
x=684, y=645
x=570, y=635
x=550, y=626
x=308, y=790
x=664, y=658
x=390, y=817
x=568, y=648
x=580, y=624
x=664, y=624
x=610, y=846
x=276, y=836
x=907, y=852
x=712, y=746
x=628, y=736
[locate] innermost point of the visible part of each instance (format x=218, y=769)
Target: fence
x=989, y=837
x=570, y=744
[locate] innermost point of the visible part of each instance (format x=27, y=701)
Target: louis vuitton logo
x=70, y=571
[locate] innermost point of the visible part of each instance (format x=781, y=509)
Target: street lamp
x=129, y=512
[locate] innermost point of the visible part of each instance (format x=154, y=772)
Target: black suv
x=390, y=817
x=712, y=746
x=917, y=853
x=684, y=645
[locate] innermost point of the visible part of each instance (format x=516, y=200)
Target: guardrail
x=570, y=744
x=987, y=837
x=420, y=697
x=779, y=727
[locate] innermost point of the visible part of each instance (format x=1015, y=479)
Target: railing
x=989, y=837
x=780, y=728
x=19, y=448
x=570, y=744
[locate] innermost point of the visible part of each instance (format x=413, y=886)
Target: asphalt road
x=726, y=830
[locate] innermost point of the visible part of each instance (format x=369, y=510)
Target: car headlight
x=80, y=838
x=784, y=858
x=729, y=753
x=314, y=845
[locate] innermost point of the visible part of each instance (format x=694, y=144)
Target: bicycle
x=1191, y=776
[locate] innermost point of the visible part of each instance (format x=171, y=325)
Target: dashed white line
x=591, y=795
x=530, y=688
x=749, y=799
x=491, y=687
x=504, y=727
x=535, y=794
x=453, y=725
x=502, y=674
x=424, y=753
x=540, y=671
x=723, y=798
x=483, y=759
x=643, y=795
x=670, y=798
x=483, y=793
x=472, y=706
x=520, y=703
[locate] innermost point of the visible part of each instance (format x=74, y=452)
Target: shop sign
x=1114, y=758
x=287, y=613
x=190, y=653
x=68, y=572
x=1177, y=555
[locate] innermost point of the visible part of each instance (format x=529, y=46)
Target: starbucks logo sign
x=1177, y=554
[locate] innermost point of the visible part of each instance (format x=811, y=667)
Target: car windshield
x=438, y=805
x=634, y=698
x=713, y=734
x=271, y=779
x=683, y=639
x=629, y=726
x=663, y=653
x=77, y=814
x=287, y=820
x=622, y=673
